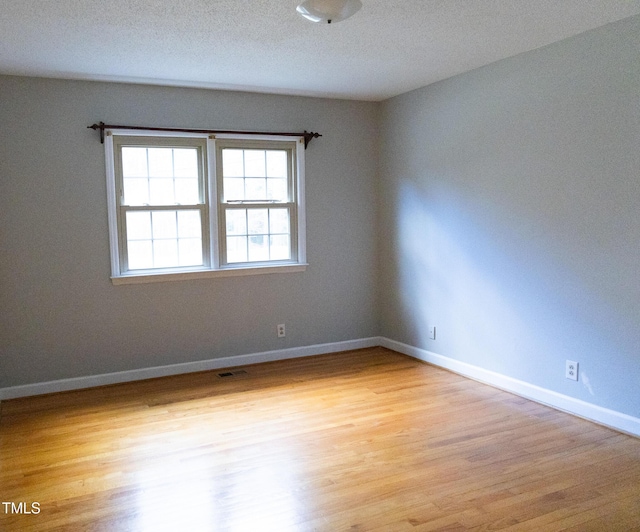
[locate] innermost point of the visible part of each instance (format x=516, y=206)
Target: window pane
x=187, y=191
x=278, y=221
x=134, y=162
x=160, y=187
x=279, y=247
x=164, y=224
x=257, y=221
x=140, y=254
x=136, y=191
x=268, y=232
x=165, y=253
x=236, y=249
x=277, y=190
x=258, y=248
x=254, y=163
x=138, y=225
x=161, y=192
x=189, y=224
x=190, y=252
x=232, y=163
x=185, y=162
x=233, y=189
x=153, y=239
x=255, y=189
x=276, y=163
x=236, y=221
x=160, y=162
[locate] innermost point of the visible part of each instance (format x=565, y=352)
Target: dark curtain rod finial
x=309, y=136
x=101, y=126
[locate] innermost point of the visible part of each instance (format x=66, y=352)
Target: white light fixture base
x=328, y=11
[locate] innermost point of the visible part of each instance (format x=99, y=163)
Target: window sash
x=203, y=237
x=227, y=202
x=148, y=143
x=273, y=232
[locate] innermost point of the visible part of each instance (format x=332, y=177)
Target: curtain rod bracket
x=309, y=136
x=101, y=126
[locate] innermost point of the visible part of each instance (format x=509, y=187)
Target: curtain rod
x=101, y=126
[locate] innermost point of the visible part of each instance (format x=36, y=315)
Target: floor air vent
x=234, y=373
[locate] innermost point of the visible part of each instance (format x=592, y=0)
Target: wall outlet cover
x=571, y=370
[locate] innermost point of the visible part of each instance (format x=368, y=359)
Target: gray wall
x=510, y=216
x=507, y=217
x=62, y=317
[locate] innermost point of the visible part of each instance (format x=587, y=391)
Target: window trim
x=213, y=267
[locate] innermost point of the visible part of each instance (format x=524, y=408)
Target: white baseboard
x=603, y=416
x=187, y=367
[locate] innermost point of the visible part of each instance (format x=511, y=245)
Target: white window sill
x=161, y=277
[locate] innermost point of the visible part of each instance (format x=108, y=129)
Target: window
x=183, y=206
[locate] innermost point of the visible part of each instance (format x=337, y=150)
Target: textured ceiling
x=387, y=48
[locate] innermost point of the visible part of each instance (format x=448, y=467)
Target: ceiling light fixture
x=328, y=11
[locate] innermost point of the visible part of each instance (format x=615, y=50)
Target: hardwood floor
x=362, y=440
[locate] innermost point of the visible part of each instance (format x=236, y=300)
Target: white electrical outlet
x=281, y=331
x=571, y=370
x=432, y=333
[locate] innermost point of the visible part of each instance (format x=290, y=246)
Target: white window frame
x=213, y=234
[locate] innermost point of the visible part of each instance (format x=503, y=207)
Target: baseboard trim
x=78, y=383
x=603, y=416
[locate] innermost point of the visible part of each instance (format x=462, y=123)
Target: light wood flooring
x=354, y=441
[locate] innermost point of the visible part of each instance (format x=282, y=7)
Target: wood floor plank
x=360, y=440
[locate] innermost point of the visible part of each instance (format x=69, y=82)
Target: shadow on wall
x=499, y=293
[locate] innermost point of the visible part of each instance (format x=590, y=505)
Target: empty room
x=327, y=265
